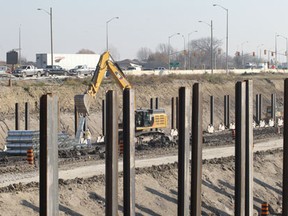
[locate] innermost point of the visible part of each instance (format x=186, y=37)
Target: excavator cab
x=150, y=118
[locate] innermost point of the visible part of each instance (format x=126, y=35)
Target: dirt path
x=98, y=169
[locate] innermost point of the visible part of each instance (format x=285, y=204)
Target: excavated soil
x=156, y=187
x=146, y=87
x=156, y=190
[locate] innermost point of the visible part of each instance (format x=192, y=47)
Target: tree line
x=196, y=56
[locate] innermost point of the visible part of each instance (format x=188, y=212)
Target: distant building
x=67, y=61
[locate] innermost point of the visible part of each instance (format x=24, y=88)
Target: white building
x=67, y=61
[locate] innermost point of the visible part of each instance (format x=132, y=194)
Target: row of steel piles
x=26, y=116
x=175, y=113
x=244, y=146
x=111, y=159
x=188, y=121
x=129, y=152
x=185, y=127
x=258, y=109
x=243, y=150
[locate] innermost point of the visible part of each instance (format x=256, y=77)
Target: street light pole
x=276, y=50
x=211, y=41
x=211, y=47
x=259, y=56
x=184, y=66
x=243, y=53
x=107, y=30
x=169, y=48
x=286, y=53
x=226, y=34
x=51, y=33
x=189, y=56
x=51, y=36
x=20, y=46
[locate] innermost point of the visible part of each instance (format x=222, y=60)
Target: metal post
x=225, y=110
x=240, y=119
x=103, y=117
x=249, y=149
x=151, y=107
x=211, y=110
x=177, y=113
x=172, y=113
x=27, y=117
x=183, y=150
x=156, y=107
x=76, y=119
x=273, y=106
x=228, y=111
x=17, y=117
x=257, y=109
x=151, y=103
x=49, y=111
x=285, y=152
x=260, y=106
x=156, y=103
x=111, y=162
x=129, y=151
x=197, y=141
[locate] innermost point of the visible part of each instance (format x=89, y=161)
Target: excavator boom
x=146, y=119
x=106, y=63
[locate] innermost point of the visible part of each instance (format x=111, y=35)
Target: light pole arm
x=226, y=34
x=51, y=34
x=107, y=22
x=169, y=47
x=211, y=46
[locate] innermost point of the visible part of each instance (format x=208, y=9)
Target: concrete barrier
x=191, y=72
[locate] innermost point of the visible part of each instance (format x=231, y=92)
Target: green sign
x=174, y=64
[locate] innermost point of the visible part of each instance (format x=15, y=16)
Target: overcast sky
x=81, y=24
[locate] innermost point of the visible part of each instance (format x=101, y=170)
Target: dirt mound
x=156, y=190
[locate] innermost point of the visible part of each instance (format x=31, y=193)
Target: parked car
x=250, y=65
x=81, y=70
x=28, y=70
x=160, y=68
x=55, y=70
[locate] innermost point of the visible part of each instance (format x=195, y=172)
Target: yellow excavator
x=145, y=119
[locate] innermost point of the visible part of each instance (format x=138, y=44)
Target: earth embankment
x=146, y=87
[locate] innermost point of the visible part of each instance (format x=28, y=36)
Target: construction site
x=144, y=131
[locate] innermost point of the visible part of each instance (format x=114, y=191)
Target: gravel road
x=97, y=169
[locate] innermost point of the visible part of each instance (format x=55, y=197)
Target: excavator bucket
x=82, y=103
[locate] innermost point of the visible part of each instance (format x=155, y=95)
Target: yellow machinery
x=145, y=118
x=105, y=63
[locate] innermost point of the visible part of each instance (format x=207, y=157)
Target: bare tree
x=158, y=59
x=200, y=52
x=144, y=53
x=163, y=48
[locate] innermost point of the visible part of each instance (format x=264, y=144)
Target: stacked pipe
x=19, y=141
